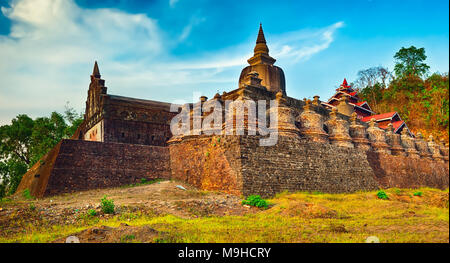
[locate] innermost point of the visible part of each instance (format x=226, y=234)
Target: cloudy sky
x=167, y=50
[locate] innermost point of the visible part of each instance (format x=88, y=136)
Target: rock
x=72, y=239
x=372, y=239
x=181, y=187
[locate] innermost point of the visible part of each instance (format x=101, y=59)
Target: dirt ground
x=160, y=198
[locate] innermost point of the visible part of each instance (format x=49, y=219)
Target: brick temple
x=335, y=146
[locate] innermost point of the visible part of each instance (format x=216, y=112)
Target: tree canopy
x=409, y=61
x=421, y=101
x=25, y=141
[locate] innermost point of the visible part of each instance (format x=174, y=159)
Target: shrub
x=26, y=194
x=255, y=200
x=92, y=212
x=32, y=207
x=144, y=180
x=107, y=205
x=382, y=195
x=418, y=193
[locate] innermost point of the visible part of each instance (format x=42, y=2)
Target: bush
x=418, y=193
x=92, y=212
x=382, y=195
x=26, y=194
x=32, y=207
x=255, y=200
x=107, y=205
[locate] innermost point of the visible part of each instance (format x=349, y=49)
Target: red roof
x=396, y=124
x=344, y=83
x=382, y=116
x=360, y=103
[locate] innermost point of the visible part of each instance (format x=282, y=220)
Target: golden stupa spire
x=261, y=51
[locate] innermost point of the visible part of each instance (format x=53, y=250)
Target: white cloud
x=301, y=45
x=48, y=57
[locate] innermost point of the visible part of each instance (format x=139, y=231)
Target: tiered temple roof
x=363, y=110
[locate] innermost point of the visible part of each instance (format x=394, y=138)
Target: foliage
x=92, y=212
x=422, y=102
x=25, y=141
x=410, y=62
x=26, y=194
x=107, y=205
x=418, y=193
x=382, y=195
x=255, y=200
x=32, y=207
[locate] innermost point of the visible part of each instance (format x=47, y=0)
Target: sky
x=174, y=50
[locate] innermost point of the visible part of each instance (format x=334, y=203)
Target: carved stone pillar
x=434, y=149
x=358, y=133
x=422, y=146
x=312, y=124
x=409, y=144
x=377, y=138
x=339, y=130
x=393, y=139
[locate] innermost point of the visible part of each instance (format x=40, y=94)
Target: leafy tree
x=410, y=62
x=25, y=141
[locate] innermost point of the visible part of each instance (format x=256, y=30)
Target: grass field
x=408, y=215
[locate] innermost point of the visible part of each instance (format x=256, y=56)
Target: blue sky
x=169, y=50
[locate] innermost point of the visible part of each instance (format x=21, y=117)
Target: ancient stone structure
x=317, y=147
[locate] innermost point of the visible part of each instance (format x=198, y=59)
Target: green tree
x=410, y=61
x=25, y=141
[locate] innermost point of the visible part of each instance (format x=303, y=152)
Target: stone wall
x=317, y=150
x=76, y=165
x=407, y=172
x=210, y=163
x=238, y=165
x=300, y=165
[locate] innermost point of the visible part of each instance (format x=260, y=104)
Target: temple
x=336, y=146
x=363, y=110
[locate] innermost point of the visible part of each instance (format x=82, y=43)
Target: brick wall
x=298, y=165
x=76, y=165
x=208, y=162
x=238, y=165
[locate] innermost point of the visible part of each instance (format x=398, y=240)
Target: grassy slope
x=298, y=217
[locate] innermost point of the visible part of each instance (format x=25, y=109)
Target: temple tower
x=272, y=76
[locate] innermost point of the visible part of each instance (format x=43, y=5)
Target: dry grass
x=296, y=217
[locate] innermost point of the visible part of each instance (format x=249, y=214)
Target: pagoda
x=363, y=110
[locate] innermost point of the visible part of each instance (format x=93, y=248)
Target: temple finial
x=96, y=71
x=261, y=38
x=261, y=47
